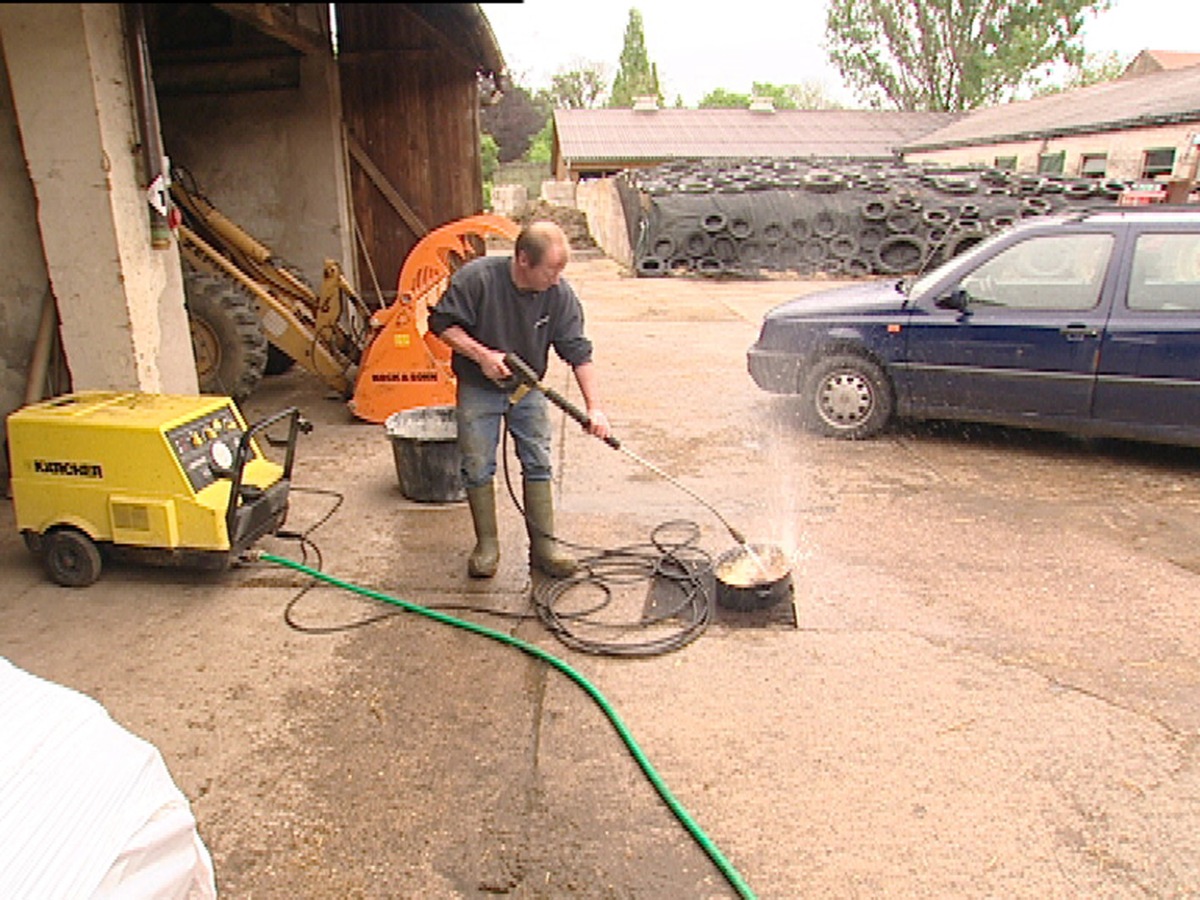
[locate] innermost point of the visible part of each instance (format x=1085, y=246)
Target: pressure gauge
x=220, y=457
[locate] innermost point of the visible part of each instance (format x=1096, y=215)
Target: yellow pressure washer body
x=156, y=478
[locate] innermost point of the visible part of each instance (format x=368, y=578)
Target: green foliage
x=577, y=88
x=951, y=54
x=1095, y=68
x=514, y=120
x=719, y=98
x=809, y=95
x=777, y=92
x=637, y=76
x=489, y=155
x=543, y=141
x=785, y=96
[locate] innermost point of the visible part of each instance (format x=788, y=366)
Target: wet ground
x=987, y=684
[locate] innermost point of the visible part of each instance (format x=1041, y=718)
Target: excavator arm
x=385, y=361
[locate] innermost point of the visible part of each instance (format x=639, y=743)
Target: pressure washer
x=155, y=478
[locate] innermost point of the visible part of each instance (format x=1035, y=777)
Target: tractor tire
x=227, y=335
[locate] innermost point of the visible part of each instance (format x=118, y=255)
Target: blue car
x=1088, y=324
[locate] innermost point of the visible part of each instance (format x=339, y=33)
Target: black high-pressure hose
x=672, y=557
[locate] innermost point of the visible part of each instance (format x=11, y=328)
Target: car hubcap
x=845, y=399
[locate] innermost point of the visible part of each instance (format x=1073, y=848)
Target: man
x=519, y=304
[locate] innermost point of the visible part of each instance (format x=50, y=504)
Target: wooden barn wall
x=414, y=108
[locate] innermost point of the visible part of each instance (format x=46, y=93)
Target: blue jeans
x=478, y=415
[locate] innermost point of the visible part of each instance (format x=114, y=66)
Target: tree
x=810, y=95
x=1095, y=68
x=489, y=156
x=580, y=87
x=637, y=76
x=719, y=98
x=542, y=143
x=513, y=120
x=951, y=54
x=778, y=93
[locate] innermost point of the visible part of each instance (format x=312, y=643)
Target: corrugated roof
x=1154, y=99
x=603, y=135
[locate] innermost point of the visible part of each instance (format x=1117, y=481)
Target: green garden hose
x=735, y=879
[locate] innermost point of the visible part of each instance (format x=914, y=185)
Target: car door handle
x=1079, y=332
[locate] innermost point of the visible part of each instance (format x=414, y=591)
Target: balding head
x=537, y=238
x=540, y=256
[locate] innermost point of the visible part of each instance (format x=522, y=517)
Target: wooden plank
x=279, y=20
x=385, y=187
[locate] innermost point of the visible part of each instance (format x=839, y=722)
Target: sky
x=699, y=47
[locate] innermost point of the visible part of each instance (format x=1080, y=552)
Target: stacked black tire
x=744, y=218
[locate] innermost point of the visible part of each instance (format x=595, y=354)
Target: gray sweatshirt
x=485, y=303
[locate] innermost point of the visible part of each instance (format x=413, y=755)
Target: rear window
x=1165, y=274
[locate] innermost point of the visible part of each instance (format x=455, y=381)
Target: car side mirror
x=956, y=299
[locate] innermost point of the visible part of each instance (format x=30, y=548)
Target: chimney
x=645, y=103
x=762, y=104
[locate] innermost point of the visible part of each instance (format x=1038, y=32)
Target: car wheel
x=72, y=558
x=847, y=396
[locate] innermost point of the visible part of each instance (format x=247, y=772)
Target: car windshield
x=915, y=288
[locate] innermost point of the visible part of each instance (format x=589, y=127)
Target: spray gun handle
x=575, y=413
x=523, y=373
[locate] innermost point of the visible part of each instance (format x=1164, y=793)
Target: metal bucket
x=745, y=583
x=428, y=461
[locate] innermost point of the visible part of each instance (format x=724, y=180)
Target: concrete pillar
x=121, y=303
x=22, y=265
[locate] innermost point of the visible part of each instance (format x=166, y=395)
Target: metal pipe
x=143, y=89
x=39, y=362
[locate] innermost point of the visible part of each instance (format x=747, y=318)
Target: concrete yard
x=991, y=689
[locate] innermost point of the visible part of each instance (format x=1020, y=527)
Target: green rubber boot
x=544, y=553
x=486, y=556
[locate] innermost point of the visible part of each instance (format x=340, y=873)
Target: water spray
x=526, y=379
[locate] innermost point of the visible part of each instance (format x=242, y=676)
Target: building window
x=1006, y=163
x=1052, y=163
x=1160, y=161
x=1094, y=164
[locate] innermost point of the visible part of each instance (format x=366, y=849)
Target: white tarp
x=87, y=809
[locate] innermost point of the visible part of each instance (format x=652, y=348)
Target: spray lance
x=525, y=380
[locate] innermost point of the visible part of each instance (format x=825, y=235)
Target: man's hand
x=585, y=376
x=492, y=364
x=490, y=361
x=598, y=423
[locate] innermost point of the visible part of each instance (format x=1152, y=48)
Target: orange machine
x=405, y=365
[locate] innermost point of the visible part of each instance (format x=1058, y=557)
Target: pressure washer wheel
x=71, y=557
